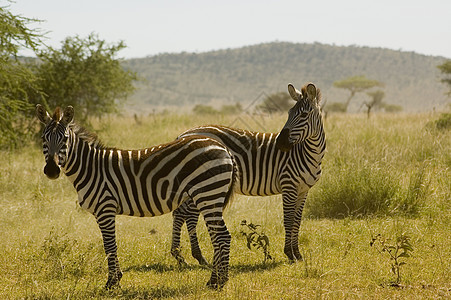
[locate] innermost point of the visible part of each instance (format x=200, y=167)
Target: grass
x=392, y=172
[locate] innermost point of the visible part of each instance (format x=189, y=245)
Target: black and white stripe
x=288, y=163
x=145, y=183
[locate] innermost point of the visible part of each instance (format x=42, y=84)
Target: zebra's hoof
x=113, y=281
x=217, y=283
x=202, y=261
x=110, y=285
x=290, y=255
x=298, y=256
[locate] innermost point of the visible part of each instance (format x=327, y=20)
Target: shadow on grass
x=236, y=268
x=162, y=268
x=159, y=292
x=255, y=267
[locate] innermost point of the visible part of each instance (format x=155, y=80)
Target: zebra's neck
x=308, y=156
x=82, y=148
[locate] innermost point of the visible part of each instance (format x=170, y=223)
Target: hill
x=240, y=75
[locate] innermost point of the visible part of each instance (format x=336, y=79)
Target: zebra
x=145, y=183
x=288, y=163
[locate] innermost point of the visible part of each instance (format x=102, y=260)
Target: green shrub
x=201, y=109
x=444, y=122
x=392, y=108
x=335, y=107
x=349, y=190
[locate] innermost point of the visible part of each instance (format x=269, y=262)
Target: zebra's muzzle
x=282, y=140
x=51, y=169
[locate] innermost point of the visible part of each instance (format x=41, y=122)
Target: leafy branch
x=256, y=238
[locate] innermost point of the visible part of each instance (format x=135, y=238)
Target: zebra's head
x=55, y=138
x=304, y=118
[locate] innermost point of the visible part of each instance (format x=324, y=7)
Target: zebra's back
x=154, y=181
x=257, y=158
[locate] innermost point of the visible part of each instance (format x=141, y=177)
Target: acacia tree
x=16, y=80
x=355, y=84
x=445, y=68
x=85, y=73
x=376, y=101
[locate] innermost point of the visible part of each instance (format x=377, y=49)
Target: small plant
x=398, y=250
x=256, y=238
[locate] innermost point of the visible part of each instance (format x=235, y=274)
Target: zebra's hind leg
x=178, y=219
x=191, y=224
x=220, y=238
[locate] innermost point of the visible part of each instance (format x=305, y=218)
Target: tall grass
x=354, y=191
x=384, y=168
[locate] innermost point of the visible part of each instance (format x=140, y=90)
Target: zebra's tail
x=230, y=192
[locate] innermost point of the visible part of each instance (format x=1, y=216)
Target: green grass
x=391, y=171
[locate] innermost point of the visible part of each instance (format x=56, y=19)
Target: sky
x=150, y=27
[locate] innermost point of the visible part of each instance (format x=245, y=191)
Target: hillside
x=240, y=75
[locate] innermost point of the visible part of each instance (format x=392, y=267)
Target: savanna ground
x=389, y=175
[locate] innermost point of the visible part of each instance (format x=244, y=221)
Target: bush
x=231, y=109
x=353, y=191
x=392, y=108
x=444, y=122
x=350, y=190
x=335, y=107
x=201, y=109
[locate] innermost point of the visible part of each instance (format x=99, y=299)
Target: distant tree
x=16, y=80
x=392, y=108
x=335, y=107
x=231, y=109
x=376, y=101
x=201, y=109
x=85, y=73
x=277, y=102
x=355, y=84
x=445, y=68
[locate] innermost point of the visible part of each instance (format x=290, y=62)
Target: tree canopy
x=84, y=73
x=16, y=80
x=445, y=68
x=355, y=84
x=376, y=100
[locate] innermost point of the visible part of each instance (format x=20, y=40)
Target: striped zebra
x=145, y=183
x=288, y=163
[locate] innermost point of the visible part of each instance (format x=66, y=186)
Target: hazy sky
x=150, y=27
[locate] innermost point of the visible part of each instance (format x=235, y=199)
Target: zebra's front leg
x=289, y=207
x=296, y=225
x=106, y=223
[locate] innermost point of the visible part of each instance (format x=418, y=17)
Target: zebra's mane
x=87, y=136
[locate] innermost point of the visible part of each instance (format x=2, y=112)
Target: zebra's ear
x=311, y=92
x=42, y=114
x=68, y=115
x=294, y=93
